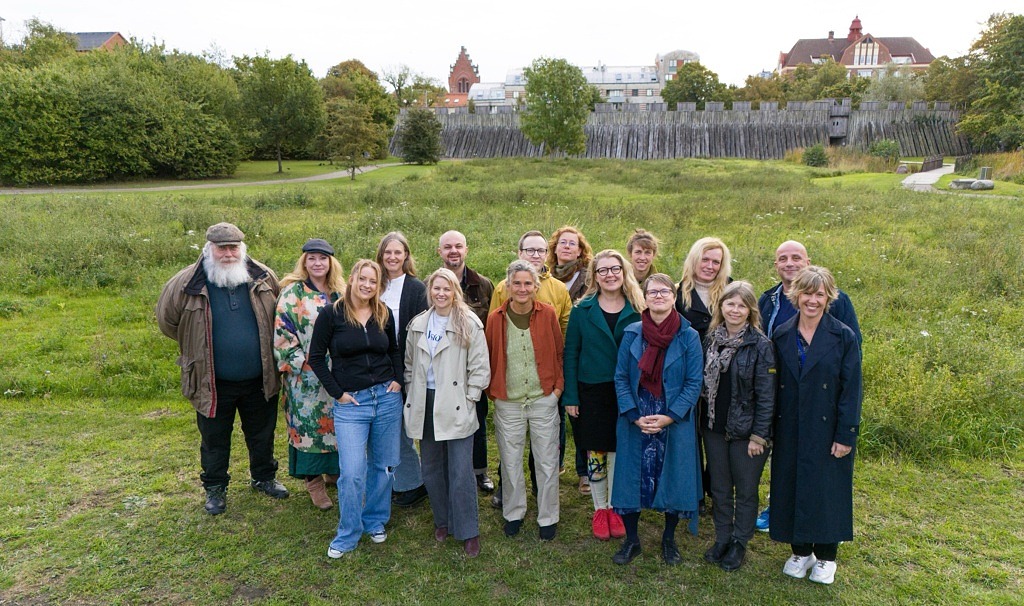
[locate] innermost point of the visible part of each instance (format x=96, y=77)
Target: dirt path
x=12, y=191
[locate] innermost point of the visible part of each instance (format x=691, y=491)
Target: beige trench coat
x=460, y=375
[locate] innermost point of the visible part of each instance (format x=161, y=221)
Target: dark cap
x=317, y=245
x=224, y=233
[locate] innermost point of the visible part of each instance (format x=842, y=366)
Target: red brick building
x=90, y=41
x=462, y=76
x=861, y=53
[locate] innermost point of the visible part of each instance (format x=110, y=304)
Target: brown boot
x=318, y=493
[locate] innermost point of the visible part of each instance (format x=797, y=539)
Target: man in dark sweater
x=220, y=311
x=476, y=291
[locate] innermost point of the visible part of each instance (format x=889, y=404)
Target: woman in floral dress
x=316, y=281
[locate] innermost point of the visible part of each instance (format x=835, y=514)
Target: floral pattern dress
x=308, y=410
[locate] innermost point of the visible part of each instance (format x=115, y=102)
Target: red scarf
x=658, y=337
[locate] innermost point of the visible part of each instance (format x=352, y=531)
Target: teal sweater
x=591, y=350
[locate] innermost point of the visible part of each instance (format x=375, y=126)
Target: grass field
x=102, y=503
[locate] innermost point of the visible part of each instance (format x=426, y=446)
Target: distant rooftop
x=88, y=41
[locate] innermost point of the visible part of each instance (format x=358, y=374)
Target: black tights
x=632, y=522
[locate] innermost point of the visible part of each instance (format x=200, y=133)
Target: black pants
x=480, y=437
x=259, y=418
x=821, y=551
x=735, y=477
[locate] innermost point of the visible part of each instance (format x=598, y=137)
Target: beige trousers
x=511, y=422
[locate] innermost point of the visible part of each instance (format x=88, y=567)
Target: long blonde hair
x=409, y=265
x=692, y=263
x=459, y=319
x=745, y=292
x=334, y=281
x=378, y=309
x=630, y=288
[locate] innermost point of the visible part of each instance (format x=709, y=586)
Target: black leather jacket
x=752, y=373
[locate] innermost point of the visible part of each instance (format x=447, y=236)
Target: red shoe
x=600, y=524
x=615, y=525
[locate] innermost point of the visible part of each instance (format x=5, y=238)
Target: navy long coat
x=812, y=491
x=679, y=487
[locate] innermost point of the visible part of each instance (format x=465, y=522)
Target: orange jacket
x=547, y=348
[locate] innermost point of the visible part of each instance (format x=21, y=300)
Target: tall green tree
x=43, y=43
x=352, y=136
x=951, y=79
x=557, y=106
x=756, y=89
x=281, y=101
x=354, y=81
x=895, y=83
x=694, y=83
x=419, y=136
x=995, y=119
x=825, y=80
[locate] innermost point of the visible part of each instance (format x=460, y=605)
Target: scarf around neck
x=566, y=271
x=658, y=337
x=720, y=351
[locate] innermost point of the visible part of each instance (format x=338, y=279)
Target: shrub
x=887, y=149
x=815, y=156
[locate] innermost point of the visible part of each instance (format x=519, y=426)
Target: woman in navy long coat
x=817, y=419
x=657, y=382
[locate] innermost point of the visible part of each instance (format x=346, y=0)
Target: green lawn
x=102, y=501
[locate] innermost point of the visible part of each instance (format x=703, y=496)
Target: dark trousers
x=480, y=438
x=449, y=479
x=821, y=551
x=259, y=418
x=735, y=477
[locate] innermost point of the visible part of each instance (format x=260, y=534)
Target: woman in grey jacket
x=737, y=403
x=446, y=370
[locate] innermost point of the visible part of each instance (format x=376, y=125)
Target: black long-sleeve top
x=360, y=356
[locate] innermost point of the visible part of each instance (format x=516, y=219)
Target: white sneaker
x=379, y=537
x=334, y=554
x=824, y=572
x=797, y=566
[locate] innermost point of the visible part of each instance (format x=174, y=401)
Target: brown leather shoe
x=440, y=534
x=472, y=547
x=318, y=493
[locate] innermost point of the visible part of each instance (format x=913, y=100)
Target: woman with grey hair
x=817, y=419
x=525, y=344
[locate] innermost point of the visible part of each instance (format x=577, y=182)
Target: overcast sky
x=734, y=39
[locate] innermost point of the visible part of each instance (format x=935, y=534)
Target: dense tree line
x=141, y=111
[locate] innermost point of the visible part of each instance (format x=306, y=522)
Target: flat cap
x=224, y=233
x=318, y=245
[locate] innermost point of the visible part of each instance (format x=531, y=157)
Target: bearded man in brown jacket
x=220, y=311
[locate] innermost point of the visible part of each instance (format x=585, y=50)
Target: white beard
x=226, y=276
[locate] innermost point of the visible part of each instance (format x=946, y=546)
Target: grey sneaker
x=271, y=488
x=379, y=536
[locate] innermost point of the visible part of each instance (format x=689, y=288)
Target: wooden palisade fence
x=761, y=134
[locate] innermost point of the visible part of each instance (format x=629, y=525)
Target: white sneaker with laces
x=824, y=572
x=797, y=566
x=379, y=537
x=334, y=554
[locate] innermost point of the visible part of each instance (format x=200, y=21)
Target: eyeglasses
x=662, y=293
x=568, y=243
x=613, y=270
x=534, y=252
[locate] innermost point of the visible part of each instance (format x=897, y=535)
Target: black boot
x=216, y=500
x=627, y=553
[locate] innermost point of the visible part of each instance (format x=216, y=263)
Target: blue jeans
x=367, y=455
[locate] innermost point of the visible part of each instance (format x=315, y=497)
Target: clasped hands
x=652, y=424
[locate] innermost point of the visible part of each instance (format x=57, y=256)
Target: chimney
x=831, y=35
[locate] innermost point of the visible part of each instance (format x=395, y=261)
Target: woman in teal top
x=612, y=302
